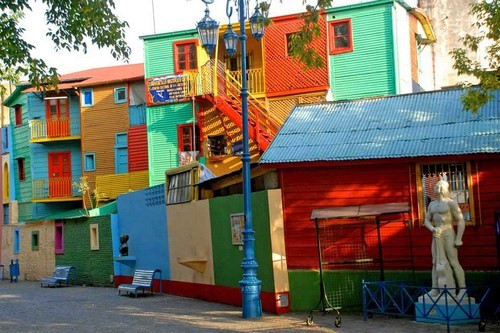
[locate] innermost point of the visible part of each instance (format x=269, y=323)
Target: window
x=59, y=238
x=340, y=32
x=94, y=237
x=288, y=39
x=185, y=56
x=18, y=111
x=56, y=108
x=17, y=235
x=35, y=240
x=120, y=95
x=20, y=169
x=87, y=97
x=458, y=176
x=217, y=145
x=121, y=153
x=89, y=161
x=186, y=141
x=6, y=214
x=182, y=183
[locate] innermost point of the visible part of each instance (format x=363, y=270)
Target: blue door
x=121, y=153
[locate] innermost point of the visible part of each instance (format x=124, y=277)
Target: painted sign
x=165, y=89
x=237, y=227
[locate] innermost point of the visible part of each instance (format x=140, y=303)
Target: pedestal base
x=440, y=312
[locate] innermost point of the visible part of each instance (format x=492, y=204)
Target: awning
x=78, y=213
x=360, y=211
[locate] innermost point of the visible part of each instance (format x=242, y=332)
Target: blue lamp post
x=250, y=284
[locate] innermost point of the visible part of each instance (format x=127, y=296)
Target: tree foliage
x=488, y=27
x=72, y=25
x=300, y=44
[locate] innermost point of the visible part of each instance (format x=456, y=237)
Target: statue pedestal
x=427, y=310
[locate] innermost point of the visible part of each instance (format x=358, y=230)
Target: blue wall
x=142, y=215
x=40, y=162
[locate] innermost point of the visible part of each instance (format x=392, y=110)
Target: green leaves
x=73, y=24
x=487, y=72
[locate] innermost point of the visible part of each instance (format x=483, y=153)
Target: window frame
x=331, y=37
x=18, y=115
x=470, y=190
x=35, y=235
x=82, y=98
x=58, y=100
x=21, y=169
x=85, y=162
x=17, y=241
x=175, y=45
x=59, y=250
x=115, y=94
x=180, y=145
x=94, y=240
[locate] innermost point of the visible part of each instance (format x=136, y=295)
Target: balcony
x=55, y=189
x=45, y=130
x=255, y=80
x=110, y=186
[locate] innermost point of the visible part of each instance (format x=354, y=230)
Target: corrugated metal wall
x=284, y=74
x=20, y=146
x=159, y=53
x=100, y=123
x=162, y=124
x=137, y=148
x=369, y=69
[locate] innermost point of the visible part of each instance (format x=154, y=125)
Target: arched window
x=6, y=194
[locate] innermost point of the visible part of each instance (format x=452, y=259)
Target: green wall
x=369, y=70
x=20, y=149
x=93, y=267
x=162, y=124
x=343, y=287
x=159, y=52
x=227, y=257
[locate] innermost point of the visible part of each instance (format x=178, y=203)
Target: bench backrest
x=61, y=272
x=143, y=278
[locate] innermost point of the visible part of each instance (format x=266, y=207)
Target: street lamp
x=250, y=284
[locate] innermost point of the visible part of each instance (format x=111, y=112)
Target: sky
x=170, y=15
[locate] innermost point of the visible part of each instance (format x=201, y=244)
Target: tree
x=488, y=27
x=72, y=24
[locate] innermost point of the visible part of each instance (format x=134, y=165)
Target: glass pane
x=192, y=49
x=181, y=49
x=182, y=57
x=87, y=97
x=341, y=42
x=53, y=111
x=63, y=108
x=192, y=64
x=340, y=29
x=182, y=65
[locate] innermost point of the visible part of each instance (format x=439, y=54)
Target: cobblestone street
x=25, y=307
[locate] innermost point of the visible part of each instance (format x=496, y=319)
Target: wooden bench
x=143, y=279
x=61, y=275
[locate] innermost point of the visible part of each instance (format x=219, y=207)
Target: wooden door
x=60, y=174
x=57, y=113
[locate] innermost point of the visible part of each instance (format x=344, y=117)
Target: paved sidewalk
x=25, y=307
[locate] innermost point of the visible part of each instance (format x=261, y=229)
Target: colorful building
x=379, y=151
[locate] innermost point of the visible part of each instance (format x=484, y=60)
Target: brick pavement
x=25, y=307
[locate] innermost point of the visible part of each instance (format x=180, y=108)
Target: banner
x=165, y=89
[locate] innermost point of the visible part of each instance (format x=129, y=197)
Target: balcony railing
x=54, y=129
x=55, y=189
x=110, y=186
x=255, y=80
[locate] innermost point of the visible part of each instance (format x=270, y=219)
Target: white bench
x=143, y=279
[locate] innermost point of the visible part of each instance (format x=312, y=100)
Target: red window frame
x=288, y=37
x=18, y=112
x=58, y=114
x=20, y=169
x=188, y=55
x=331, y=32
x=181, y=136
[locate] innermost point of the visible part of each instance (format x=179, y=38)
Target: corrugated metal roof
x=424, y=124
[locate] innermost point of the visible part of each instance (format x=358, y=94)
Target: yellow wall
x=281, y=107
x=190, y=238
x=213, y=125
x=280, y=270
x=33, y=265
x=100, y=123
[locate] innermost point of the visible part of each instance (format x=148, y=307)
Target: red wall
x=309, y=187
x=137, y=148
x=284, y=76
